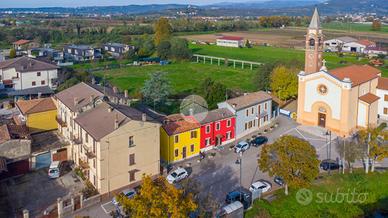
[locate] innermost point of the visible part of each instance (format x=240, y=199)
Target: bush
x=382, y=126
x=89, y=190
x=78, y=172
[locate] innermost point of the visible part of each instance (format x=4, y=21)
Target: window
x=246, y=126
x=207, y=142
x=176, y=152
x=38, y=74
x=385, y=97
x=192, y=148
x=252, y=110
x=94, y=163
x=385, y=111
x=265, y=106
x=228, y=123
x=94, y=180
x=218, y=126
x=132, y=175
x=42, y=82
x=259, y=109
x=228, y=135
x=130, y=142
x=94, y=146
x=208, y=129
x=247, y=112
x=193, y=134
x=250, y=124
x=176, y=139
x=33, y=83
x=131, y=159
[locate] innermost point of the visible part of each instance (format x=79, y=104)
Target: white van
x=54, y=170
x=233, y=210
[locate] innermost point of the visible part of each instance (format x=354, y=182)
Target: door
x=184, y=152
x=218, y=141
x=322, y=120
x=60, y=155
x=43, y=160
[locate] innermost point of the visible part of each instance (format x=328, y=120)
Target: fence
x=67, y=207
x=226, y=61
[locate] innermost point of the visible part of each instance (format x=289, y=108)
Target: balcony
x=76, y=141
x=83, y=164
x=60, y=121
x=89, y=154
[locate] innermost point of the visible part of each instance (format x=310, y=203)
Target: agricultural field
x=354, y=27
x=370, y=198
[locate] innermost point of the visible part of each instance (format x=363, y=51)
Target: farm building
x=333, y=44
x=230, y=41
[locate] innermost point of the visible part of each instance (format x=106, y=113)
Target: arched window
x=319, y=41
x=312, y=42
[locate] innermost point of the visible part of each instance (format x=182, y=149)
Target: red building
x=217, y=128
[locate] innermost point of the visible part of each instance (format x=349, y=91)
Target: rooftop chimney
x=110, y=109
x=93, y=80
x=114, y=89
x=126, y=93
x=144, y=117
x=39, y=94
x=75, y=101
x=116, y=122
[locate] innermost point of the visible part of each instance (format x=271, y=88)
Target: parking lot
x=35, y=192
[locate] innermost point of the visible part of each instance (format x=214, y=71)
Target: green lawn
x=264, y=54
x=184, y=76
x=374, y=185
x=353, y=27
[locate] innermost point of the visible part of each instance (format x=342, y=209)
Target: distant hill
x=249, y=8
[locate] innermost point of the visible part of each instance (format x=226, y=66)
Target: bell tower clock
x=314, y=45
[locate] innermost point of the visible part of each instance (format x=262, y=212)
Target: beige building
x=113, y=143
x=341, y=100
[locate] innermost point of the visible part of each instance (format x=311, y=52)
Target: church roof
x=369, y=98
x=315, y=22
x=357, y=74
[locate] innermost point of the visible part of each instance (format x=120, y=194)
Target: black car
x=329, y=164
x=241, y=194
x=260, y=140
x=278, y=180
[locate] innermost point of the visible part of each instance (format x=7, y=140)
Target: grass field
x=272, y=54
x=184, y=76
x=353, y=27
x=374, y=185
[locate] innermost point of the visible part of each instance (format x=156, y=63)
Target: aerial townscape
x=221, y=109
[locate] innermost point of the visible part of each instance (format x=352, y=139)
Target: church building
x=341, y=100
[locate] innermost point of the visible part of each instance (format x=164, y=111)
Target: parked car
x=177, y=175
x=129, y=193
x=279, y=180
x=262, y=185
x=55, y=169
x=241, y=147
x=260, y=140
x=241, y=194
x=235, y=209
x=329, y=164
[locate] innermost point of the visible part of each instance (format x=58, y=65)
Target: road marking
x=300, y=134
x=103, y=207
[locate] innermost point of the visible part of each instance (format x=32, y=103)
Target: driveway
x=35, y=192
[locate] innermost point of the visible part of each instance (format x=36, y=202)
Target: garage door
x=15, y=169
x=60, y=155
x=43, y=160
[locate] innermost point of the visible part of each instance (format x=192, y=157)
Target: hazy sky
x=77, y=3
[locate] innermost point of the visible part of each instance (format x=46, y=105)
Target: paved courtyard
x=35, y=192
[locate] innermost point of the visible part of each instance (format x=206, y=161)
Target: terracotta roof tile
x=21, y=42
x=366, y=42
x=214, y=115
x=249, y=100
x=383, y=83
x=36, y=105
x=369, y=98
x=358, y=74
x=176, y=123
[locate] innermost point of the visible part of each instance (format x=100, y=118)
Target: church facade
x=341, y=100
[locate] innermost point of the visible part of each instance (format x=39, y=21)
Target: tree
x=164, y=49
x=248, y=44
x=158, y=199
x=291, y=158
x=163, y=31
x=12, y=53
x=376, y=25
x=263, y=76
x=349, y=152
x=180, y=49
x=377, y=150
x=284, y=82
x=213, y=92
x=156, y=89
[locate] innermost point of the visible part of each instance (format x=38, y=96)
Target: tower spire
x=315, y=22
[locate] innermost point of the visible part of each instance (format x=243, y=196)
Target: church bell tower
x=314, y=45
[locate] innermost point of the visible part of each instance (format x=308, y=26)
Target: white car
x=241, y=147
x=264, y=186
x=177, y=175
x=129, y=193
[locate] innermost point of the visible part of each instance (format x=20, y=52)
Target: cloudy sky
x=77, y=3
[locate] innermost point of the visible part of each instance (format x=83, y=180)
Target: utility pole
x=367, y=154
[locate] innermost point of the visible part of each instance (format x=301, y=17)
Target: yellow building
x=39, y=115
x=179, y=138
